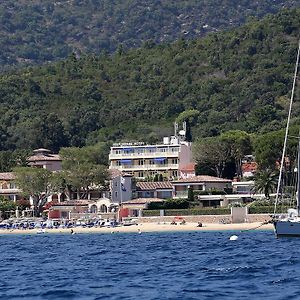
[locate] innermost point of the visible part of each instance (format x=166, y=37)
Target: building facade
x=142, y=161
x=43, y=158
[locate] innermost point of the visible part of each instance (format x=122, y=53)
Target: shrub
x=186, y=212
x=169, y=204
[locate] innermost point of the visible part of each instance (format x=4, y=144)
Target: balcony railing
x=145, y=167
x=143, y=155
x=181, y=194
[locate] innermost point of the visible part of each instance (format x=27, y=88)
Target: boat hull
x=287, y=228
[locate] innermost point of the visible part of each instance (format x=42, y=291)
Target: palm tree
x=266, y=182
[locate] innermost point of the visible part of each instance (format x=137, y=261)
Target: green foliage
x=38, y=183
x=214, y=152
x=12, y=159
x=268, y=147
x=169, y=204
x=266, y=182
x=187, y=212
x=6, y=206
x=265, y=209
x=191, y=196
x=236, y=79
x=42, y=30
x=82, y=168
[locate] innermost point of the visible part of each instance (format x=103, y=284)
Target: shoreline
x=146, y=228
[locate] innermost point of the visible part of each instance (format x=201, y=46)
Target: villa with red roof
x=199, y=183
x=43, y=158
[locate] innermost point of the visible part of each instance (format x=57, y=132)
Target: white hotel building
x=142, y=161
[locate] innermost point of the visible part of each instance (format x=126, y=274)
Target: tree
x=6, y=206
x=214, y=152
x=268, y=148
x=22, y=204
x=81, y=172
x=38, y=184
x=266, y=182
x=240, y=145
x=190, y=194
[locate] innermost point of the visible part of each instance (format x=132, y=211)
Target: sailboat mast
x=298, y=179
x=287, y=130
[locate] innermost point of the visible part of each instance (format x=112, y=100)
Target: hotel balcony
x=143, y=155
x=128, y=167
x=180, y=194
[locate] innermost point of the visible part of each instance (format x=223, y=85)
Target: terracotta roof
x=202, y=178
x=249, y=167
x=44, y=157
x=7, y=176
x=73, y=203
x=188, y=167
x=141, y=185
x=143, y=200
x=115, y=173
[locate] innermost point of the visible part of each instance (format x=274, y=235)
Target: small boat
x=289, y=226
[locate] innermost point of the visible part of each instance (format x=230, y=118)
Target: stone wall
x=205, y=219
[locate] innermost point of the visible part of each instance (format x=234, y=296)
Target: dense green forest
x=39, y=31
x=239, y=79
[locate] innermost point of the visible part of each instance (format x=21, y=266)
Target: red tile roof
x=188, y=168
x=249, y=167
x=115, y=173
x=7, y=176
x=73, y=203
x=202, y=178
x=159, y=185
x=43, y=157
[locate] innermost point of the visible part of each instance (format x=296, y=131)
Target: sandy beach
x=148, y=227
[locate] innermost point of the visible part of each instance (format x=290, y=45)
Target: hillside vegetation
x=39, y=31
x=229, y=80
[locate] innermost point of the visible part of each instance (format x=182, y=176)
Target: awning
x=160, y=159
x=127, y=149
x=126, y=161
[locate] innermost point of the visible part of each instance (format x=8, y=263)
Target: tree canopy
x=39, y=184
x=40, y=31
x=82, y=171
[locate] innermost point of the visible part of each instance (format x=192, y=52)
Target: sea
x=168, y=265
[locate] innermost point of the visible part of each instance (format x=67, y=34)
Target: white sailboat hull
x=287, y=228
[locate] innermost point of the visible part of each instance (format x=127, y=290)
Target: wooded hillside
x=38, y=31
x=231, y=80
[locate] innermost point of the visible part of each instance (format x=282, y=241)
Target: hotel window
x=141, y=174
x=175, y=161
x=116, y=194
x=139, y=151
x=118, y=163
x=118, y=151
x=141, y=162
x=151, y=162
x=174, y=173
x=151, y=150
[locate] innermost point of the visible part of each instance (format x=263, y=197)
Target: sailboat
x=289, y=226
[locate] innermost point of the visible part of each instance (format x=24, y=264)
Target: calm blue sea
x=182, y=265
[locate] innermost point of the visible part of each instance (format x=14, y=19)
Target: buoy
x=233, y=237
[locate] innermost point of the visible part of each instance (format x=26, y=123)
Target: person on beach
x=199, y=224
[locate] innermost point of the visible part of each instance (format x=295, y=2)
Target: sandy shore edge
x=149, y=227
